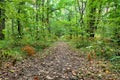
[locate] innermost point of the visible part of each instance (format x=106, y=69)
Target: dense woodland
x=92, y=26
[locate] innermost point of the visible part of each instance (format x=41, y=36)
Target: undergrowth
x=104, y=49
x=12, y=49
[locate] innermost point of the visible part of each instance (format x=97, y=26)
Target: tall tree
x=43, y=12
x=2, y=19
x=37, y=17
x=19, y=22
x=91, y=17
x=81, y=8
x=48, y=15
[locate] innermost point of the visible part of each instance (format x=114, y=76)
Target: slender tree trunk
x=81, y=9
x=19, y=24
x=2, y=21
x=43, y=16
x=91, y=18
x=47, y=19
x=12, y=26
x=82, y=13
x=117, y=33
x=69, y=19
x=37, y=19
x=92, y=23
x=77, y=24
x=37, y=9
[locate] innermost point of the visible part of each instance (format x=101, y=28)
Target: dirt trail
x=61, y=64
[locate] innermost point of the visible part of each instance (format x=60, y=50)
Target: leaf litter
x=61, y=64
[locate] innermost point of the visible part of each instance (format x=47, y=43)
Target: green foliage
x=116, y=62
x=103, y=48
x=81, y=42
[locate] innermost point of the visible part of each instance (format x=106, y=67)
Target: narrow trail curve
x=61, y=64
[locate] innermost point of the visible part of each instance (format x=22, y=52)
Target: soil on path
x=61, y=64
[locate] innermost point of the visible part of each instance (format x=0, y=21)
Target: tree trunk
x=92, y=22
x=12, y=20
x=19, y=24
x=91, y=18
x=43, y=16
x=81, y=9
x=2, y=21
x=37, y=19
x=19, y=20
x=37, y=9
x=47, y=19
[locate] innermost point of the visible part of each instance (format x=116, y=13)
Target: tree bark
x=12, y=21
x=19, y=20
x=2, y=21
x=47, y=19
x=43, y=16
x=91, y=18
x=81, y=9
x=37, y=19
x=19, y=24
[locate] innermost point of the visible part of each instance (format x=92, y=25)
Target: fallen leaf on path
x=107, y=71
x=36, y=78
x=7, y=65
x=74, y=73
x=68, y=69
x=49, y=78
x=12, y=71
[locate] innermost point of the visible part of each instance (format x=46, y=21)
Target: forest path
x=61, y=64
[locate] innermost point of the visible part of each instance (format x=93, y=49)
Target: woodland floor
x=62, y=63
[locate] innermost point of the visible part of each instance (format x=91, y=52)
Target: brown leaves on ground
x=36, y=78
x=29, y=50
x=62, y=63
